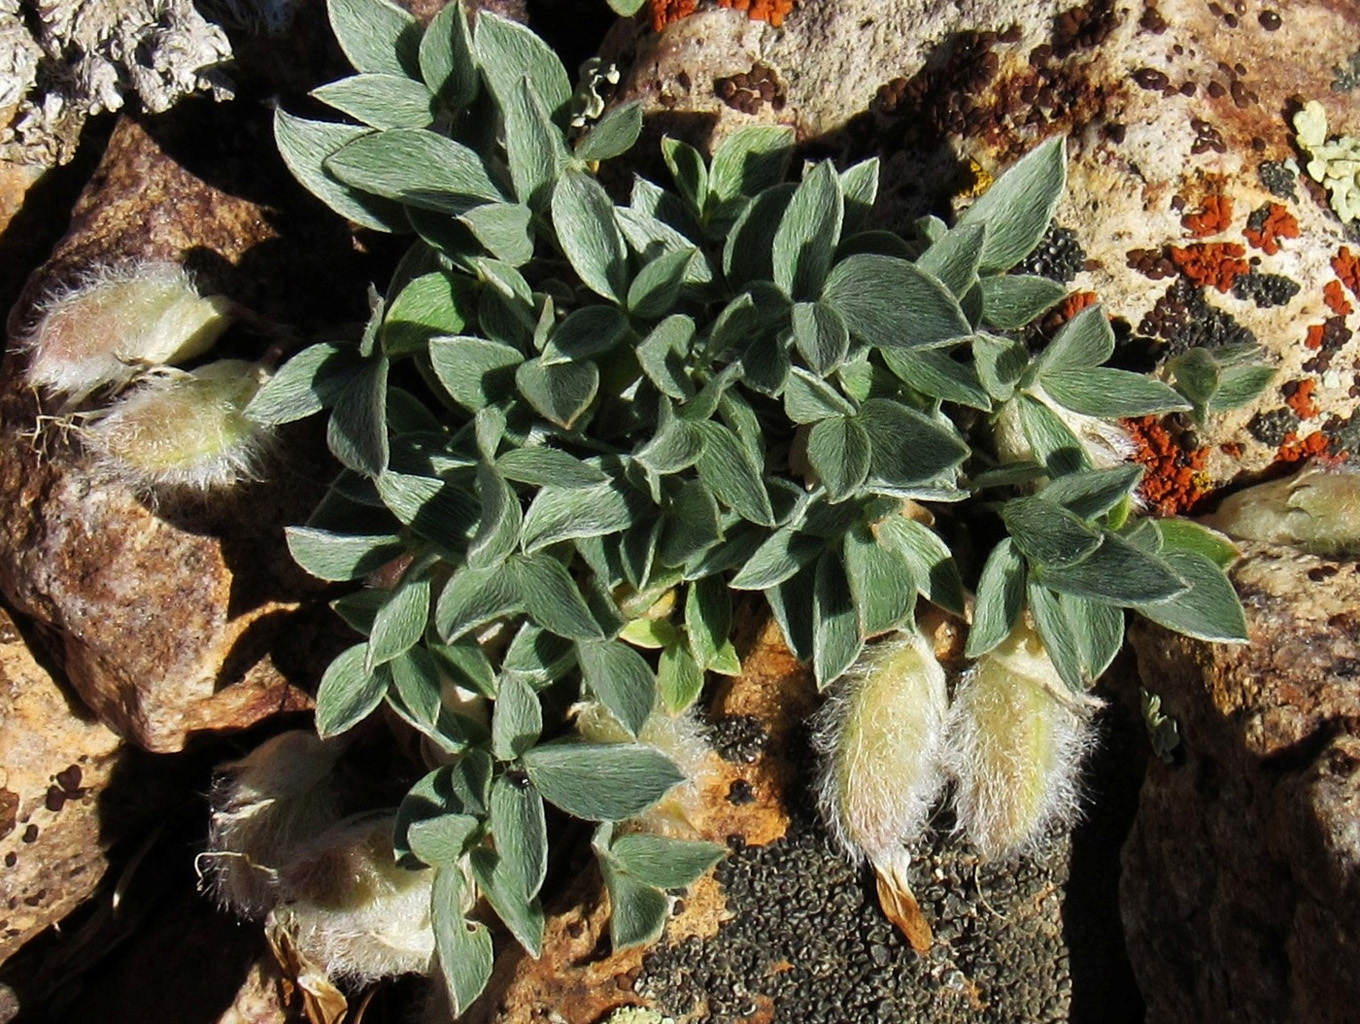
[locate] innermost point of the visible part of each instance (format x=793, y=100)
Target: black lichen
x=1266, y=290
x=1271, y=428
x=1058, y=256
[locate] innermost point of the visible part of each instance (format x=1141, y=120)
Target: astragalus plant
x=574, y=431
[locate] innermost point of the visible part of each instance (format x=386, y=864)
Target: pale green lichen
x=1164, y=733
x=1334, y=163
x=636, y=1015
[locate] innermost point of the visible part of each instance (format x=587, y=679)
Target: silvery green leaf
x=338, y=556
x=656, y=288
x=750, y=160
x=1000, y=596
x=734, y=325
x=612, y=135
x=1240, y=385
x=585, y=333
x=820, y=336
x=638, y=552
x=676, y=445
x=400, y=623
x=808, y=398
x=463, y=946
x=805, y=241
x=377, y=36
x=498, y=529
x=1183, y=535
x=836, y=639
x=1008, y=474
x=473, y=597
x=930, y=229
x=637, y=912
x=306, y=384
x=1047, y=533
x=907, y=447
x=619, y=678
x=689, y=170
x=559, y=392
x=1208, y=610
x=429, y=306
x=1117, y=573
x=925, y=552
x=381, y=101
x=838, y=451
x=564, y=513
x=791, y=602
x=881, y=582
x=357, y=431
x=704, y=404
x=446, y=61
x=534, y=145
x=348, y=692
x=1055, y=446
x=875, y=243
x=600, y=781
x=778, y=558
x=359, y=609
x=747, y=253
x=955, y=257
x=516, y=718
x=584, y=218
x=465, y=664
x=663, y=862
x=505, y=230
x=1082, y=637
x=521, y=831
x=445, y=808
x=656, y=202
x=489, y=428
x=938, y=374
x=1110, y=394
x=765, y=364
x=438, y=510
x=1000, y=363
x=679, y=678
x=552, y=597
x=547, y=466
x=1083, y=342
x=441, y=839
x=662, y=355
x=727, y=468
x=651, y=238
x=859, y=185
x=1094, y=492
x=693, y=524
x=1017, y=209
x=890, y=303
x=708, y=619
x=538, y=657
x=1010, y=302
x=416, y=167
x=305, y=147
x=508, y=51
x=499, y=881
x=416, y=685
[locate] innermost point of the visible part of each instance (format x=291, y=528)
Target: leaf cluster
x=572, y=428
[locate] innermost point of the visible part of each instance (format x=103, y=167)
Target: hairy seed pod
x=116, y=323
x=880, y=737
x=1015, y=749
x=184, y=429
x=1316, y=510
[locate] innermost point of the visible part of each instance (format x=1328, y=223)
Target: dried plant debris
x=63, y=61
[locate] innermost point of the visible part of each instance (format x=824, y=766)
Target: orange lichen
x=664, y=12
x=772, y=11
x=1065, y=311
x=1314, y=446
x=1335, y=298
x=1298, y=395
x=1315, y=334
x=1176, y=478
x=1211, y=264
x=1347, y=267
x=1213, y=217
x=1232, y=449
x=1278, y=223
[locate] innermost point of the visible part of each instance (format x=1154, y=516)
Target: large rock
x=1241, y=883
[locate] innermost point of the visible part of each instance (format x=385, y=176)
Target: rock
x=1182, y=212
x=171, y=617
x=152, y=51
x=1241, y=880
x=54, y=767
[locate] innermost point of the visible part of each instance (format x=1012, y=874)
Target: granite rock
x=1242, y=874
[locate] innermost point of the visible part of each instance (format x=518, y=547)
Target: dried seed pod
x=184, y=429
x=1316, y=510
x=117, y=322
x=880, y=737
x=1015, y=748
x=1106, y=443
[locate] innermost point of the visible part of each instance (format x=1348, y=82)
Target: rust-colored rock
x=1241, y=885
x=54, y=765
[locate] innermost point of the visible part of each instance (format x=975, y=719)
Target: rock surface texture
x=63, y=60
x=1241, y=886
